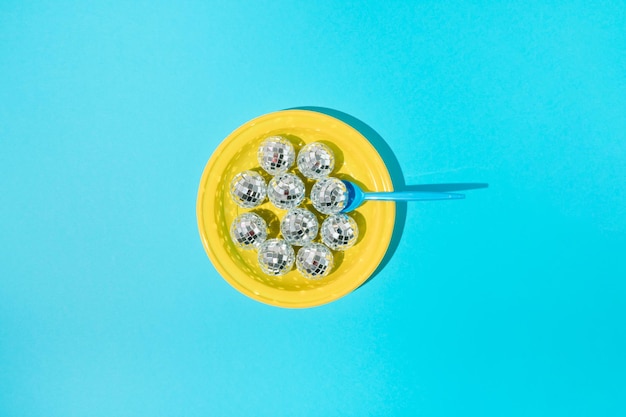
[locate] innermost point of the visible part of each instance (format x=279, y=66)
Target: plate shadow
x=393, y=166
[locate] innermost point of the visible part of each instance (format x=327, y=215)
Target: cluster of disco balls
x=299, y=226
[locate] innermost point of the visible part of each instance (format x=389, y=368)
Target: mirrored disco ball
x=276, y=155
x=286, y=191
x=299, y=226
x=276, y=257
x=339, y=231
x=248, y=231
x=316, y=160
x=314, y=261
x=329, y=195
x=248, y=189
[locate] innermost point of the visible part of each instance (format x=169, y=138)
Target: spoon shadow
x=443, y=188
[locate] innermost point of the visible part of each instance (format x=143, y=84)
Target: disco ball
x=299, y=226
x=339, y=231
x=248, y=189
x=276, y=257
x=248, y=231
x=286, y=191
x=316, y=160
x=314, y=261
x=329, y=195
x=276, y=155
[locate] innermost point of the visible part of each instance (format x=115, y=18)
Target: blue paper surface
x=511, y=302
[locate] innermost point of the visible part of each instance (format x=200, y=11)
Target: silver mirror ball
x=329, y=195
x=248, y=189
x=339, y=231
x=276, y=257
x=314, y=261
x=299, y=226
x=276, y=155
x=316, y=160
x=286, y=191
x=248, y=231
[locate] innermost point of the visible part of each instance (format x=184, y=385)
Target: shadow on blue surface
x=397, y=177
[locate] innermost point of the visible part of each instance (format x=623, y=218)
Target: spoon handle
x=412, y=196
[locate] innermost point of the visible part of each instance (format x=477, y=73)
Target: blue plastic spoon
x=356, y=196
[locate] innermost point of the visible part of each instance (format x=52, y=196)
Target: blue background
x=511, y=302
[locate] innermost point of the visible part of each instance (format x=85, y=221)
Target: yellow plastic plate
x=357, y=160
